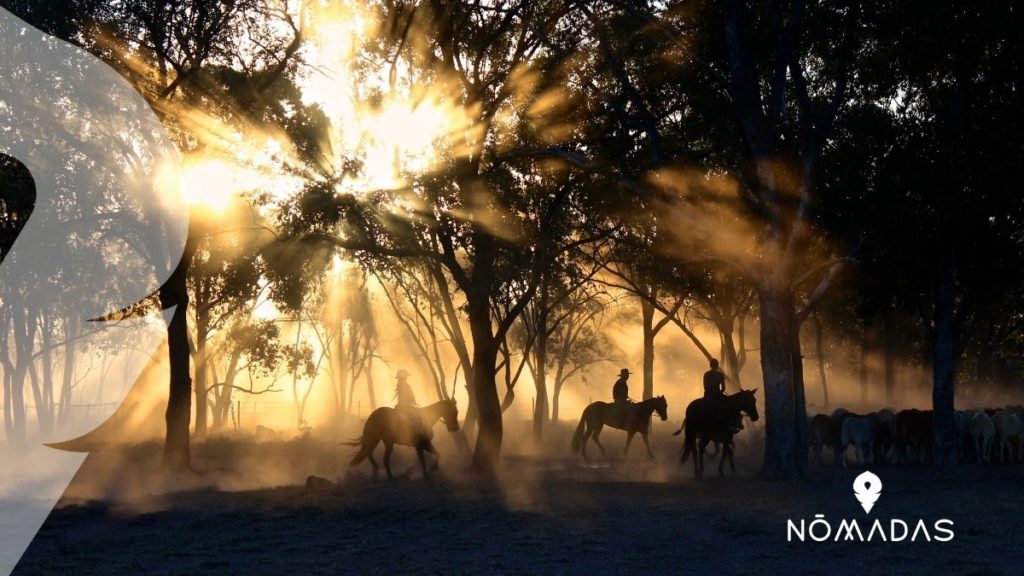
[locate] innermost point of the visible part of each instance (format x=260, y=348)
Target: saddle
x=735, y=423
x=412, y=424
x=619, y=414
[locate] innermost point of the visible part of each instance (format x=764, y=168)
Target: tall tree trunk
x=338, y=373
x=540, y=410
x=23, y=346
x=37, y=395
x=563, y=358
x=201, y=384
x=944, y=366
x=778, y=358
x=819, y=351
x=647, y=315
x=555, y=394
x=485, y=386
x=732, y=359
x=225, y=393
x=8, y=377
x=8, y=372
x=799, y=404
x=369, y=383
x=71, y=328
x=174, y=294
x=46, y=412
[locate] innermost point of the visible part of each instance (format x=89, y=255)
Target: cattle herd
x=905, y=437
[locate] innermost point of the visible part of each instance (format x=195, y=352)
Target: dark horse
x=710, y=421
x=632, y=418
x=387, y=425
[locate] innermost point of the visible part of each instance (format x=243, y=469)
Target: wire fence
x=87, y=410
x=284, y=413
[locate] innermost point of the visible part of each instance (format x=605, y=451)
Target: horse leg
x=587, y=432
x=698, y=469
x=376, y=467
x=629, y=440
x=437, y=457
x=701, y=449
x=647, y=444
x=721, y=461
x=423, y=461
x=597, y=432
x=732, y=461
x=389, y=447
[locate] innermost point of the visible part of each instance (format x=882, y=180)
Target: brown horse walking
x=709, y=421
x=632, y=418
x=387, y=425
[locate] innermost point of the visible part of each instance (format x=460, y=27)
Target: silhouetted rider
x=405, y=402
x=620, y=390
x=714, y=381
x=714, y=389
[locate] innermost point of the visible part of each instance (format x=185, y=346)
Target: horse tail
x=360, y=455
x=681, y=426
x=577, y=438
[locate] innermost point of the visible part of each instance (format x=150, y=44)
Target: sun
x=210, y=185
x=395, y=135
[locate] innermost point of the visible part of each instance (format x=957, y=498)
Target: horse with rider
x=716, y=417
x=406, y=424
x=622, y=413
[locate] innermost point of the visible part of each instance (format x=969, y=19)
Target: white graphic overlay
x=107, y=229
x=867, y=488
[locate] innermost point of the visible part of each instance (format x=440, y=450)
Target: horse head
x=746, y=402
x=450, y=415
x=661, y=407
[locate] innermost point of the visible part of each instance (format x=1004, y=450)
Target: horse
x=387, y=425
x=632, y=418
x=710, y=421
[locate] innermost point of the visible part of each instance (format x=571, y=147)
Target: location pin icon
x=106, y=230
x=867, y=488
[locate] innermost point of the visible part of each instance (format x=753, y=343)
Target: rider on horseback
x=714, y=381
x=620, y=396
x=620, y=390
x=714, y=390
x=405, y=402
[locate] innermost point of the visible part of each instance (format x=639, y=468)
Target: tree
x=484, y=214
x=781, y=75
x=951, y=107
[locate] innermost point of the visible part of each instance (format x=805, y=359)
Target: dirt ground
x=247, y=511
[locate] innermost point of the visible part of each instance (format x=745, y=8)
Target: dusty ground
x=544, y=514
